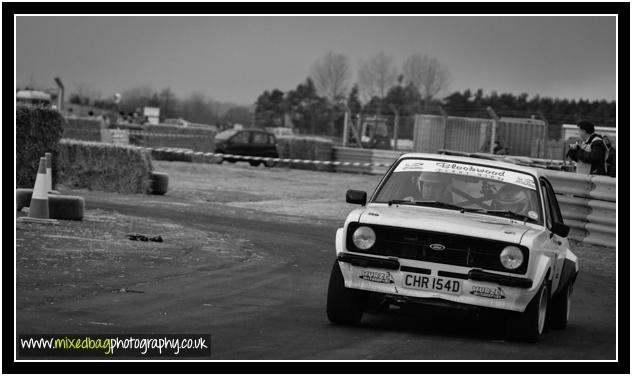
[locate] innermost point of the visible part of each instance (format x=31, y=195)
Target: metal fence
x=433, y=132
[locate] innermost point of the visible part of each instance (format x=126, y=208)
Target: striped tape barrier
x=170, y=135
x=267, y=159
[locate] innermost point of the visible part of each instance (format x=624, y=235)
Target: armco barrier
x=588, y=205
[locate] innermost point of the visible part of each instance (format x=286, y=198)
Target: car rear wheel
x=254, y=163
x=269, y=163
x=529, y=326
x=344, y=305
x=561, y=307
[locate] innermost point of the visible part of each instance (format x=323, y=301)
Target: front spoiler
x=514, y=295
x=474, y=274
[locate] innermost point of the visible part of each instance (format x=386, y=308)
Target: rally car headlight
x=364, y=237
x=511, y=257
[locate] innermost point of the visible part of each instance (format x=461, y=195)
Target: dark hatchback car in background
x=247, y=142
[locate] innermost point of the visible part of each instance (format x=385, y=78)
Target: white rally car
x=463, y=232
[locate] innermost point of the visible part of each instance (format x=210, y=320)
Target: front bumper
x=477, y=287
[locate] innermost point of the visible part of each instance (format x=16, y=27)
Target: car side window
x=259, y=138
x=271, y=139
x=556, y=213
x=240, y=138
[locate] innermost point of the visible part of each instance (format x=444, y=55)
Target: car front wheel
x=344, y=305
x=561, y=307
x=529, y=325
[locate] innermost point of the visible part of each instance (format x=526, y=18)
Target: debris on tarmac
x=144, y=238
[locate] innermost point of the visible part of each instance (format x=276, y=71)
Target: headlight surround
x=363, y=237
x=511, y=257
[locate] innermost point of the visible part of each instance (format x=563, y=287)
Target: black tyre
x=66, y=207
x=254, y=163
x=159, y=183
x=561, y=307
x=344, y=305
x=23, y=197
x=529, y=325
x=269, y=163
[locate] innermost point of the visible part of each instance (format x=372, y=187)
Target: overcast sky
x=234, y=59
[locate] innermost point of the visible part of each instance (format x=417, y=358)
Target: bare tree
x=331, y=75
x=427, y=74
x=376, y=76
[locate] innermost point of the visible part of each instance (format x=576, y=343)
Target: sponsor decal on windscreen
x=505, y=176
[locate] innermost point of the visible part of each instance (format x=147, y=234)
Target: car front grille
x=415, y=245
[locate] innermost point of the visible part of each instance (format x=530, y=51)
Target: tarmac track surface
x=272, y=305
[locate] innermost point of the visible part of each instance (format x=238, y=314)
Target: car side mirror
x=560, y=229
x=356, y=197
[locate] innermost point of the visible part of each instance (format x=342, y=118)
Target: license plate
x=431, y=283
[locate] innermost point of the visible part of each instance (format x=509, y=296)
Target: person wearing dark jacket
x=590, y=154
x=611, y=157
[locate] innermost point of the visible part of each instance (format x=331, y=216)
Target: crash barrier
x=588, y=205
x=306, y=148
x=59, y=206
x=156, y=136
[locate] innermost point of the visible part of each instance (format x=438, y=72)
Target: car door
x=259, y=144
x=271, y=150
x=558, y=243
x=239, y=143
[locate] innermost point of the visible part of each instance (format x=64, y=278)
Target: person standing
x=611, y=157
x=590, y=154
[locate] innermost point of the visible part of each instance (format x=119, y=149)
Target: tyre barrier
x=23, y=197
x=159, y=183
x=59, y=206
x=66, y=207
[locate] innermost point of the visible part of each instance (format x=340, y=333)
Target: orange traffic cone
x=38, y=210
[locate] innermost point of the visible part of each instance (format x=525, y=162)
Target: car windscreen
x=225, y=134
x=462, y=186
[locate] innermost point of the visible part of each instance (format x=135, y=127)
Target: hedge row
x=104, y=167
x=305, y=147
x=38, y=131
x=82, y=128
x=156, y=136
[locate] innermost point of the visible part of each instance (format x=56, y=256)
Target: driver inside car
x=512, y=198
x=432, y=186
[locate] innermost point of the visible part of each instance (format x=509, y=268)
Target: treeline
x=318, y=105
x=553, y=110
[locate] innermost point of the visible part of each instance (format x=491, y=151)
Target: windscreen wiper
x=505, y=213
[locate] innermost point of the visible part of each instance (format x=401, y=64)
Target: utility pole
x=60, y=94
x=395, y=126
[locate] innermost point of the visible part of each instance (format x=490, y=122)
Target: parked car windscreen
x=476, y=188
x=225, y=134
